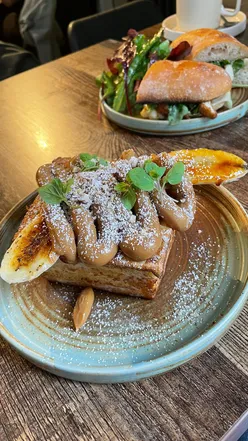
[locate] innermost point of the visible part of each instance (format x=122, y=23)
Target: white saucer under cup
x=171, y=30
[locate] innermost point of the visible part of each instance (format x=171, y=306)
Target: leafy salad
x=236, y=65
x=127, y=68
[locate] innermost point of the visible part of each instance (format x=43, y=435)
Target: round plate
x=186, y=126
x=127, y=339
x=172, y=31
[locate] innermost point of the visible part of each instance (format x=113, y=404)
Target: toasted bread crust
x=183, y=81
x=201, y=39
x=121, y=275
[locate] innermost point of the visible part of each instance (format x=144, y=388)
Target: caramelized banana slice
x=205, y=166
x=31, y=251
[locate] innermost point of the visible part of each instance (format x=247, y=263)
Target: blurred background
x=12, y=12
x=33, y=32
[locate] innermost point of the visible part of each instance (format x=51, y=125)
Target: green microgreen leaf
x=91, y=162
x=103, y=162
x=128, y=198
x=148, y=165
x=140, y=179
x=154, y=170
x=128, y=179
x=55, y=191
x=67, y=185
x=85, y=156
x=90, y=165
x=122, y=187
x=175, y=174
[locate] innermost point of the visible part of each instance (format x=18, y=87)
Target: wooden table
x=52, y=111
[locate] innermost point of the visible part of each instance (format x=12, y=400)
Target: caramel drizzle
x=84, y=232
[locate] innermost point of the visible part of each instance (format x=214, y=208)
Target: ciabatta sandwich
x=213, y=46
x=175, y=90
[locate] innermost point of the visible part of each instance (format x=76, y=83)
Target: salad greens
x=128, y=66
x=137, y=70
x=177, y=112
x=236, y=65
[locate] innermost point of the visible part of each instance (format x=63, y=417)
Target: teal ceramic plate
x=185, y=127
x=127, y=339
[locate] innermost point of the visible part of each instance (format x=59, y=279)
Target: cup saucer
x=172, y=31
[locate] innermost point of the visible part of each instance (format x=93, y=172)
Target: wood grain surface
x=52, y=111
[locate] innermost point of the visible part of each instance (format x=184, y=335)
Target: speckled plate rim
x=163, y=128
x=145, y=369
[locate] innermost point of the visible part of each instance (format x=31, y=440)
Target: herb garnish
x=136, y=179
x=148, y=179
x=174, y=175
x=128, y=196
x=153, y=170
x=91, y=162
x=55, y=192
x=140, y=179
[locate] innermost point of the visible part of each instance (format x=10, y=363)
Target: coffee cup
x=193, y=14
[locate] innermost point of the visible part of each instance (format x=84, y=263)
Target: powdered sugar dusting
x=94, y=191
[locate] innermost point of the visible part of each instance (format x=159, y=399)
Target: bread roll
x=183, y=81
x=212, y=45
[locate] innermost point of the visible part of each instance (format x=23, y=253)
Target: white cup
x=193, y=14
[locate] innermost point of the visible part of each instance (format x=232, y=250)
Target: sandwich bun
x=183, y=81
x=212, y=45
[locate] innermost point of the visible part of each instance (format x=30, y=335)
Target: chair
x=168, y=7
x=113, y=24
x=14, y=60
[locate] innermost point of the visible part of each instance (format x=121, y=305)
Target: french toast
x=122, y=275
x=93, y=224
